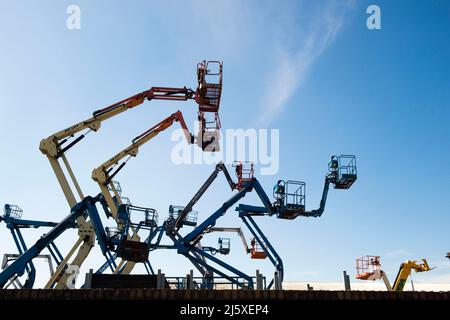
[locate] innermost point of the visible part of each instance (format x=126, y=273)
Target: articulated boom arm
x=14, y=222
x=104, y=174
x=54, y=144
x=236, y=230
x=290, y=204
x=318, y=212
x=19, y=266
x=405, y=271
x=54, y=147
x=220, y=167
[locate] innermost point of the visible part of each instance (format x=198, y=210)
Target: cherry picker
x=289, y=204
x=86, y=208
x=130, y=249
x=19, y=266
x=12, y=217
x=369, y=268
x=54, y=147
x=178, y=217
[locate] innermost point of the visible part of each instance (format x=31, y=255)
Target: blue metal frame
x=14, y=223
x=18, y=267
x=186, y=245
x=262, y=241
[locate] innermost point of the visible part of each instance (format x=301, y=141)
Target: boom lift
x=287, y=205
x=260, y=247
x=15, y=282
x=18, y=267
x=129, y=249
x=151, y=243
x=244, y=173
x=224, y=245
x=290, y=195
x=153, y=240
x=13, y=218
x=184, y=211
x=186, y=245
x=56, y=145
x=180, y=216
x=86, y=208
x=369, y=268
x=256, y=248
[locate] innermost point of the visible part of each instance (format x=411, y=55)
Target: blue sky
x=310, y=69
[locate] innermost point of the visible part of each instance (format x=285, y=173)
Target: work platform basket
x=189, y=220
x=346, y=173
x=257, y=250
x=244, y=172
x=130, y=214
x=290, y=198
x=209, y=74
x=224, y=245
x=368, y=267
x=13, y=211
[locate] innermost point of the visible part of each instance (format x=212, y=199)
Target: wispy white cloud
x=293, y=65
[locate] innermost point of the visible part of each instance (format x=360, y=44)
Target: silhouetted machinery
x=369, y=268
x=123, y=240
x=290, y=195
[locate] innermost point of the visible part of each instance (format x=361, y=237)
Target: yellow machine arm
x=54, y=147
x=405, y=271
x=104, y=174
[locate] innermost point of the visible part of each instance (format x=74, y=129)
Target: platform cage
x=244, y=172
x=13, y=211
x=116, y=186
x=290, y=198
x=210, y=124
x=367, y=267
x=224, y=245
x=257, y=249
x=137, y=216
x=189, y=220
x=345, y=168
x=209, y=75
x=208, y=137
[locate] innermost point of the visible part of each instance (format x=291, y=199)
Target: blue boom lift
x=289, y=204
x=12, y=217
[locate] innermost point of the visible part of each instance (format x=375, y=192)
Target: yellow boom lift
x=55, y=146
x=369, y=268
x=104, y=174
